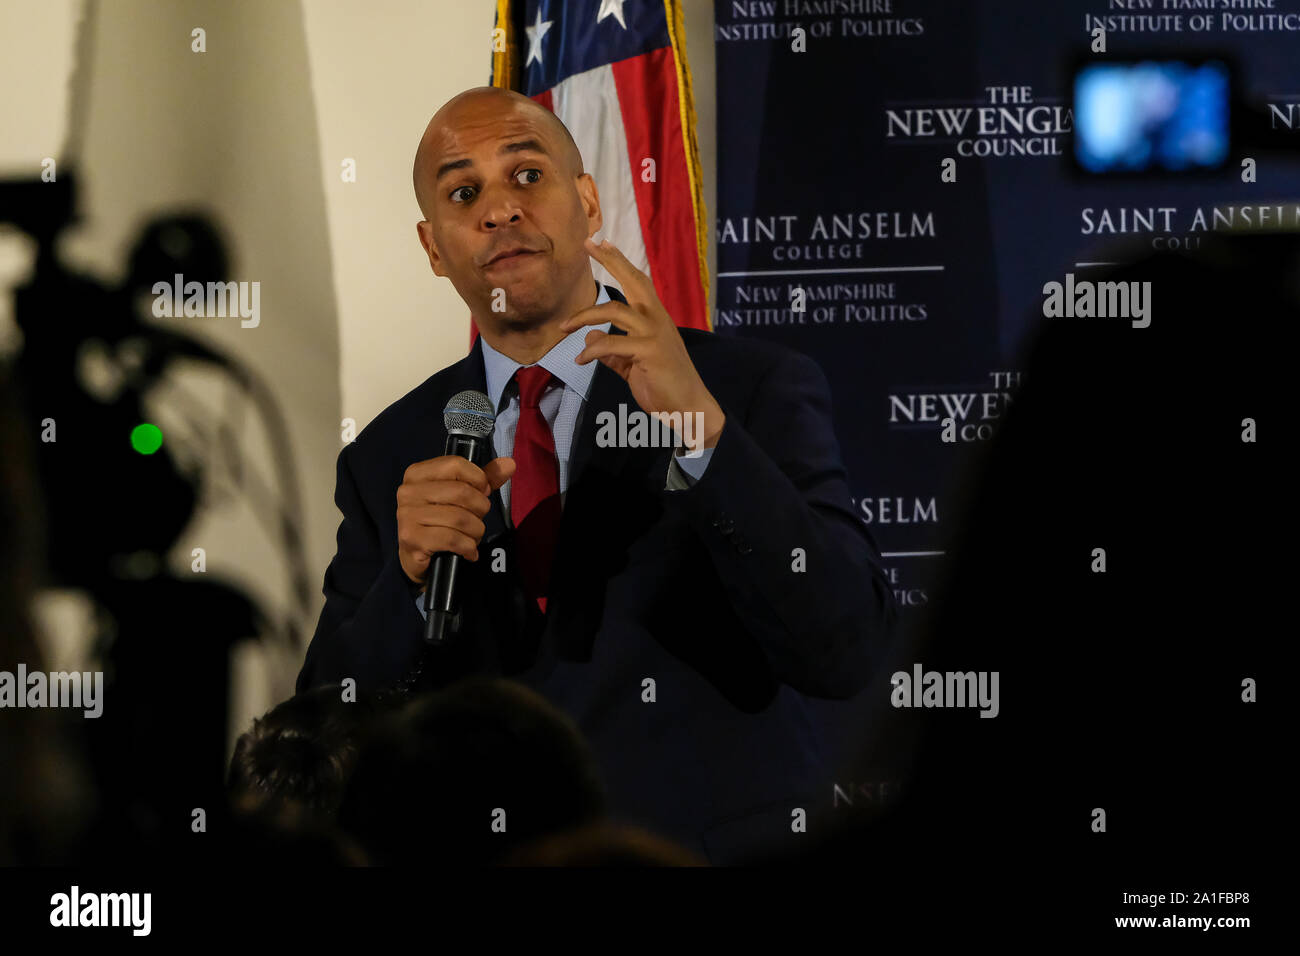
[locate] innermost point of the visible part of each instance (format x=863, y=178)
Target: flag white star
x=611, y=8
x=535, y=34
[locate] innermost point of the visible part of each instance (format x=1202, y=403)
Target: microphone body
x=469, y=434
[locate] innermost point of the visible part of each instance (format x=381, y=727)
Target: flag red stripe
x=647, y=90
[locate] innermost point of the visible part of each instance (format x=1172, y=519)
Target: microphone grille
x=469, y=413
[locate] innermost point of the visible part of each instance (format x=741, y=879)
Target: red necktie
x=535, y=486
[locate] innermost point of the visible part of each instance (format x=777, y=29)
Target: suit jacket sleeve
x=775, y=483
x=370, y=629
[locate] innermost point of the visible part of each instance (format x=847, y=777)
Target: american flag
x=615, y=73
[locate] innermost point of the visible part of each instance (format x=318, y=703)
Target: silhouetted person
x=1121, y=689
x=297, y=758
x=468, y=773
x=272, y=835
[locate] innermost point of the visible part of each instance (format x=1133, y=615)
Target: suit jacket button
x=726, y=525
x=741, y=544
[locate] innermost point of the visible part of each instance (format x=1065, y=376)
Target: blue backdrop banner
x=901, y=170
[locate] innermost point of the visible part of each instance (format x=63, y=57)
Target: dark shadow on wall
x=205, y=164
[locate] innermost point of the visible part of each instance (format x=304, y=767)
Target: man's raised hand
x=651, y=357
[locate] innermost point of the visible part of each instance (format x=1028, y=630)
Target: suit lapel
x=598, y=516
x=608, y=391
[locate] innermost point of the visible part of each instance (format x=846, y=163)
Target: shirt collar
x=500, y=369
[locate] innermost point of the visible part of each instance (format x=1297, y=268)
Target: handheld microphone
x=469, y=418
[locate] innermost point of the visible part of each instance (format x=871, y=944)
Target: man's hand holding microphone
x=441, y=503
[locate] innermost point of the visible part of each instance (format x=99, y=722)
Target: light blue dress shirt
x=562, y=407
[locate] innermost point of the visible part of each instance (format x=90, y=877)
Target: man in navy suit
x=678, y=604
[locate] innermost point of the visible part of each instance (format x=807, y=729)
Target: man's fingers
x=636, y=284
x=444, y=493
x=620, y=315
x=449, y=516
x=422, y=542
x=498, y=471
x=447, y=468
x=601, y=345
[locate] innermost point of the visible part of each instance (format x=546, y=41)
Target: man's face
x=499, y=180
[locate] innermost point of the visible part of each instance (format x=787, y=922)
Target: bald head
x=472, y=111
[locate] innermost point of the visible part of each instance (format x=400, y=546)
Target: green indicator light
x=146, y=438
